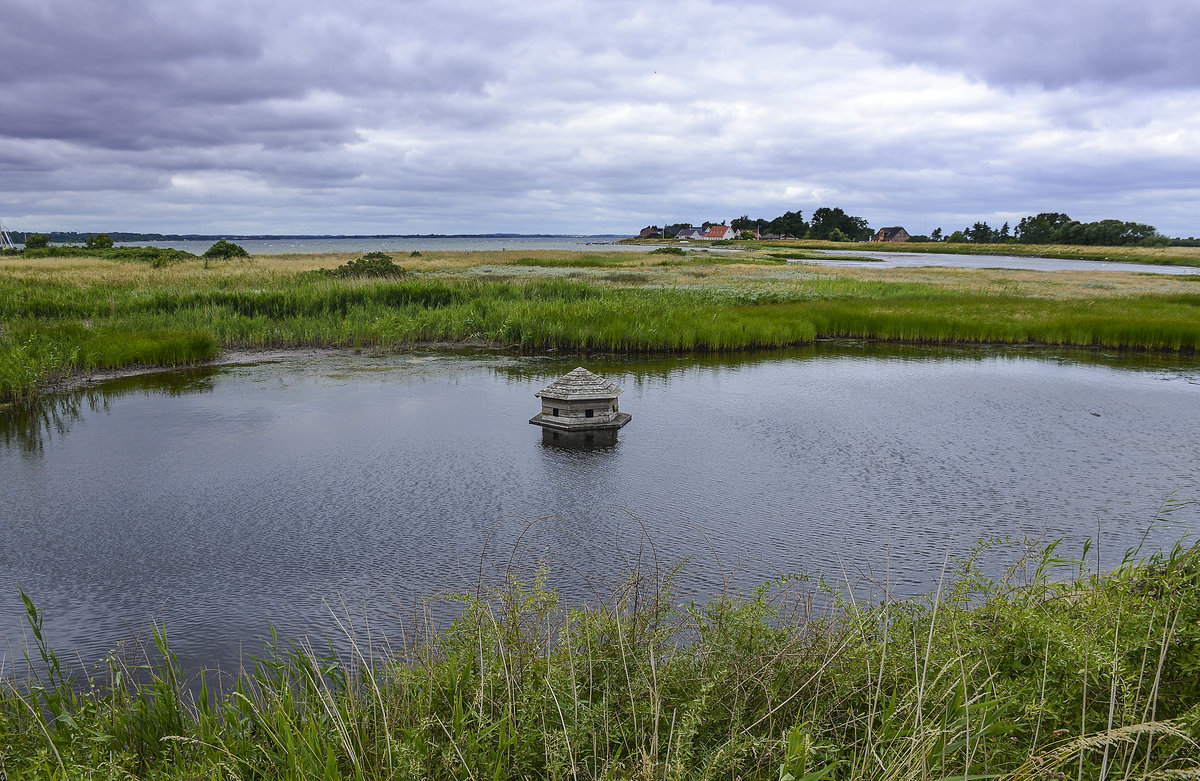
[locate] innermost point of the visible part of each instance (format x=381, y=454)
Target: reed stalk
x=960, y=684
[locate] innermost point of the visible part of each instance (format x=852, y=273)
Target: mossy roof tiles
x=580, y=384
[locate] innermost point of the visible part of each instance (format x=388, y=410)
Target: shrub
x=413, y=254
x=373, y=264
x=667, y=251
x=226, y=249
x=155, y=256
x=99, y=241
x=37, y=241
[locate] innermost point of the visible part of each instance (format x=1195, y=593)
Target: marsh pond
x=305, y=491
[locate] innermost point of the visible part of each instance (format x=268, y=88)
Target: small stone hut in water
x=580, y=401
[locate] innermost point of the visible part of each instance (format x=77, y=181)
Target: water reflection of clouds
x=656, y=370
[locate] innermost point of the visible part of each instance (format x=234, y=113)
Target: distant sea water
x=322, y=245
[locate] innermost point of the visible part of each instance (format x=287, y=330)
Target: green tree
x=826, y=220
x=226, y=249
x=1043, y=228
x=936, y=235
x=37, y=241
x=789, y=224
x=99, y=241
x=979, y=233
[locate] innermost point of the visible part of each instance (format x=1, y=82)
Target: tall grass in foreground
x=1094, y=678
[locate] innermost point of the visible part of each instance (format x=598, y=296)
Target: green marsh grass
x=1027, y=676
x=34, y=355
x=87, y=314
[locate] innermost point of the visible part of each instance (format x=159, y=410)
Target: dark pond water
x=222, y=501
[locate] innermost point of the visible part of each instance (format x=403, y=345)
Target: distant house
x=895, y=233
x=718, y=232
x=689, y=233
x=650, y=232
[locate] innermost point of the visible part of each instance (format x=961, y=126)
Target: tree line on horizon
x=833, y=224
x=1059, y=228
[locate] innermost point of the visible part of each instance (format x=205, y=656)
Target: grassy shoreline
x=63, y=317
x=1027, y=677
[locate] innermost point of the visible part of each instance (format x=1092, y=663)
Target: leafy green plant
x=99, y=241
x=373, y=264
x=37, y=241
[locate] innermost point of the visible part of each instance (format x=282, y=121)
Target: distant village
x=833, y=224
x=726, y=232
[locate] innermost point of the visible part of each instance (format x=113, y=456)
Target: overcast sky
x=572, y=116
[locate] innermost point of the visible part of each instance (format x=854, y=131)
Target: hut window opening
x=590, y=413
x=556, y=412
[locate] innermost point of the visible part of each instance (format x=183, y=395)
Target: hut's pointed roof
x=580, y=384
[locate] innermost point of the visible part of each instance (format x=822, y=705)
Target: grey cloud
x=1053, y=44
x=459, y=115
x=125, y=78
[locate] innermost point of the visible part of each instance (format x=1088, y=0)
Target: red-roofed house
x=718, y=232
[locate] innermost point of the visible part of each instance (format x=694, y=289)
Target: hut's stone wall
x=602, y=410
